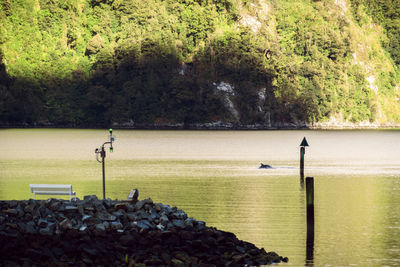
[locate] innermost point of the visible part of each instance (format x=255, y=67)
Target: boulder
x=133, y=195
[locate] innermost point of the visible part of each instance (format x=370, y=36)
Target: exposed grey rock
x=45, y=231
x=30, y=228
x=55, y=205
x=100, y=227
x=66, y=224
x=118, y=214
x=179, y=223
x=189, y=222
x=124, y=206
x=71, y=208
x=85, y=217
x=160, y=226
x=106, y=217
x=143, y=224
x=107, y=225
x=13, y=212
x=132, y=216
x=133, y=195
x=90, y=198
x=164, y=219
x=179, y=214
x=140, y=204
x=116, y=225
x=42, y=223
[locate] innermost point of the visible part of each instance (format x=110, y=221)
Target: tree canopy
x=98, y=62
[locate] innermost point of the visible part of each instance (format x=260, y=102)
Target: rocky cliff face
x=116, y=233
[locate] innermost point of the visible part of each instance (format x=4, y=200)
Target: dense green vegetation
x=96, y=62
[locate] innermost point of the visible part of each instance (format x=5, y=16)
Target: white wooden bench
x=51, y=189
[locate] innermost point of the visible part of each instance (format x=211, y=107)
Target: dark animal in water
x=265, y=166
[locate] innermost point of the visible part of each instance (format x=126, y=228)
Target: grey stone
x=90, y=251
x=133, y=195
x=92, y=220
x=100, y=227
x=42, y=223
x=143, y=224
x=20, y=210
x=143, y=215
x=106, y=217
x=13, y=212
x=30, y=228
x=139, y=205
x=80, y=209
x=85, y=217
x=123, y=206
x=116, y=225
x=183, y=256
x=189, y=222
x=45, y=231
x=91, y=198
x=107, y=203
x=51, y=226
x=107, y=225
x=164, y=219
x=118, y=214
x=71, y=208
x=132, y=216
x=54, y=206
x=12, y=225
x=179, y=214
x=66, y=224
x=200, y=225
x=179, y=223
x=160, y=226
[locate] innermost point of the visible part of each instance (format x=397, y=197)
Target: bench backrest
x=51, y=187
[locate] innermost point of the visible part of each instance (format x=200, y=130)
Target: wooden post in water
x=310, y=217
x=302, y=152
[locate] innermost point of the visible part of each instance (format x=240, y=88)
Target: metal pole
x=103, y=157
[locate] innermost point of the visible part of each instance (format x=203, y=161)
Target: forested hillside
x=101, y=62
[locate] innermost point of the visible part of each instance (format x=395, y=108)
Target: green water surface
x=214, y=177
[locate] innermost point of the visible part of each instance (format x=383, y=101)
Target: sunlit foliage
x=97, y=62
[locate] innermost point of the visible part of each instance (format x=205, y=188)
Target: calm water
x=214, y=176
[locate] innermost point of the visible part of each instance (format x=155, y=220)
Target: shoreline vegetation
x=217, y=126
x=255, y=64
x=134, y=232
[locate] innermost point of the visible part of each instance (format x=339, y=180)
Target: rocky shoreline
x=330, y=125
x=93, y=232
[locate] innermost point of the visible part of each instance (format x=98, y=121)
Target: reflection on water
x=214, y=176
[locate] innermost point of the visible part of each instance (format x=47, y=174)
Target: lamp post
x=102, y=153
x=302, y=152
